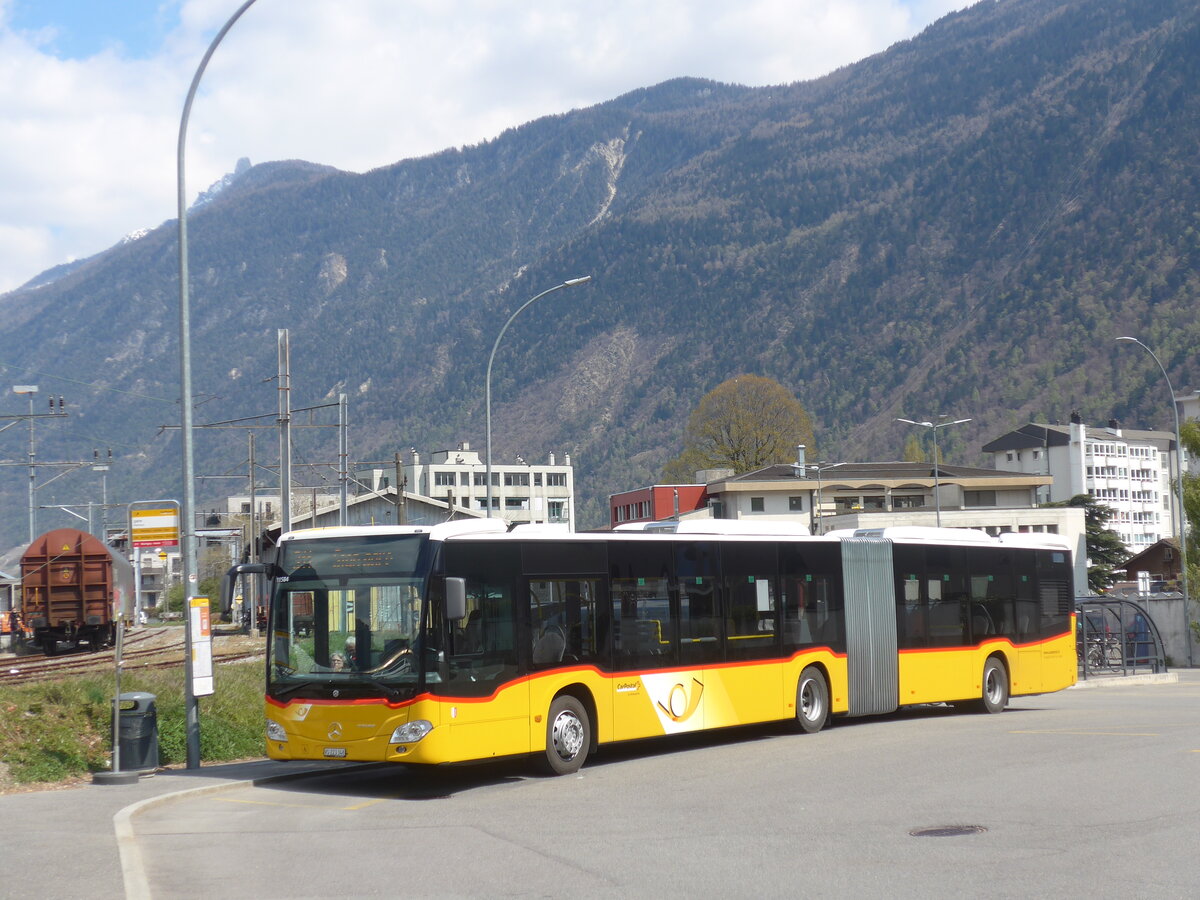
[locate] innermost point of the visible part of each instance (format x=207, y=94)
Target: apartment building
x=522, y=492
x=1131, y=472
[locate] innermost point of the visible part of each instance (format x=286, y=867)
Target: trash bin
x=138, y=732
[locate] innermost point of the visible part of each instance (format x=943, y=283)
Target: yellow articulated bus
x=469, y=641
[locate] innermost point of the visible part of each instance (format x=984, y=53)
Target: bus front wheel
x=812, y=700
x=995, y=687
x=568, y=736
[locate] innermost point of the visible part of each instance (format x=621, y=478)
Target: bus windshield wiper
x=282, y=690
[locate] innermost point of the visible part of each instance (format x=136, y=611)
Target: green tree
x=1189, y=433
x=209, y=587
x=742, y=424
x=1105, y=550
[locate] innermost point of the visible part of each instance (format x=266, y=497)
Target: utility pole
x=250, y=584
x=343, y=459
x=401, y=509
x=56, y=413
x=285, y=432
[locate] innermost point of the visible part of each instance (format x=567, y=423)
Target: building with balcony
x=1131, y=472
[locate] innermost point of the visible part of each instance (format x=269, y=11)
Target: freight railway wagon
x=71, y=584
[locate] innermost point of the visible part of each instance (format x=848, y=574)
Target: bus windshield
x=346, y=615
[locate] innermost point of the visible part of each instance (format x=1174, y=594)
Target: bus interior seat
x=549, y=647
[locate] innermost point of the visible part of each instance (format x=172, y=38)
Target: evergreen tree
x=1105, y=550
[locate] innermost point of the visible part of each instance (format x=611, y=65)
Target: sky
x=92, y=91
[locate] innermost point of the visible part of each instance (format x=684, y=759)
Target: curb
x=133, y=869
x=1105, y=681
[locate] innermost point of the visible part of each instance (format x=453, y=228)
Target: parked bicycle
x=1104, y=652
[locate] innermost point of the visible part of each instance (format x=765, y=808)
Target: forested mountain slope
x=959, y=225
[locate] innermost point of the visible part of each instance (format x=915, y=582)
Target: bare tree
x=742, y=424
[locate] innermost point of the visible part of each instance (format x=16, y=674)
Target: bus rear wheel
x=812, y=700
x=568, y=736
x=995, y=687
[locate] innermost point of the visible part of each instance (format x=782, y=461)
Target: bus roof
x=737, y=529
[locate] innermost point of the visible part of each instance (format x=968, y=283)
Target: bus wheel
x=568, y=736
x=812, y=700
x=995, y=687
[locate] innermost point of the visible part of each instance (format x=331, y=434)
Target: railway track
x=140, y=651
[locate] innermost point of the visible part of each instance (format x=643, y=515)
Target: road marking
x=272, y=803
x=1096, y=733
x=352, y=808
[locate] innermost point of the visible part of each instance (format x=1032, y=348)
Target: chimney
x=800, y=455
x=1076, y=418
x=1115, y=427
x=551, y=457
x=566, y=459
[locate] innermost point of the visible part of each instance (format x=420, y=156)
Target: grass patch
x=52, y=731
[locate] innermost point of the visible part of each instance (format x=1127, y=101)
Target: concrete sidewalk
x=77, y=841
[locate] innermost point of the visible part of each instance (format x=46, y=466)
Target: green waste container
x=137, y=732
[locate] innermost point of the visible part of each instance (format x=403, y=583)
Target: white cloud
x=89, y=148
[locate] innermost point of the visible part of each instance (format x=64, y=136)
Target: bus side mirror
x=456, y=598
x=227, y=584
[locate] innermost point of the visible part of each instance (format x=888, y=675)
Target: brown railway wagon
x=71, y=583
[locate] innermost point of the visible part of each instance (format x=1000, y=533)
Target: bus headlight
x=275, y=732
x=411, y=732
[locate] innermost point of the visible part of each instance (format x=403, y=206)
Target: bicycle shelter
x=1115, y=636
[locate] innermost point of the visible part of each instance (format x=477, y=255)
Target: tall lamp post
x=188, y=530
x=570, y=282
x=1187, y=631
x=937, y=481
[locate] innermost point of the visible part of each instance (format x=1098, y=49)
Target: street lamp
x=570, y=282
x=820, y=468
x=188, y=535
x=937, y=482
x=1187, y=636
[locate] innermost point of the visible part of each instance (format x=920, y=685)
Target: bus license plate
x=335, y=751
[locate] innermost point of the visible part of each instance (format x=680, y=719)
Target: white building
x=521, y=492
x=1131, y=472
x=266, y=506
x=881, y=495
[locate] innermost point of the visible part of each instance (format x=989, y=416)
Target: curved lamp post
x=570, y=282
x=1187, y=631
x=187, y=525
x=934, y=426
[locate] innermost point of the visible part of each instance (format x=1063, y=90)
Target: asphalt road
x=1092, y=792
x=1086, y=793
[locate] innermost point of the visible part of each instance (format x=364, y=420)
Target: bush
x=56, y=730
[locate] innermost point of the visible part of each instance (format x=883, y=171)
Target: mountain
x=961, y=224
